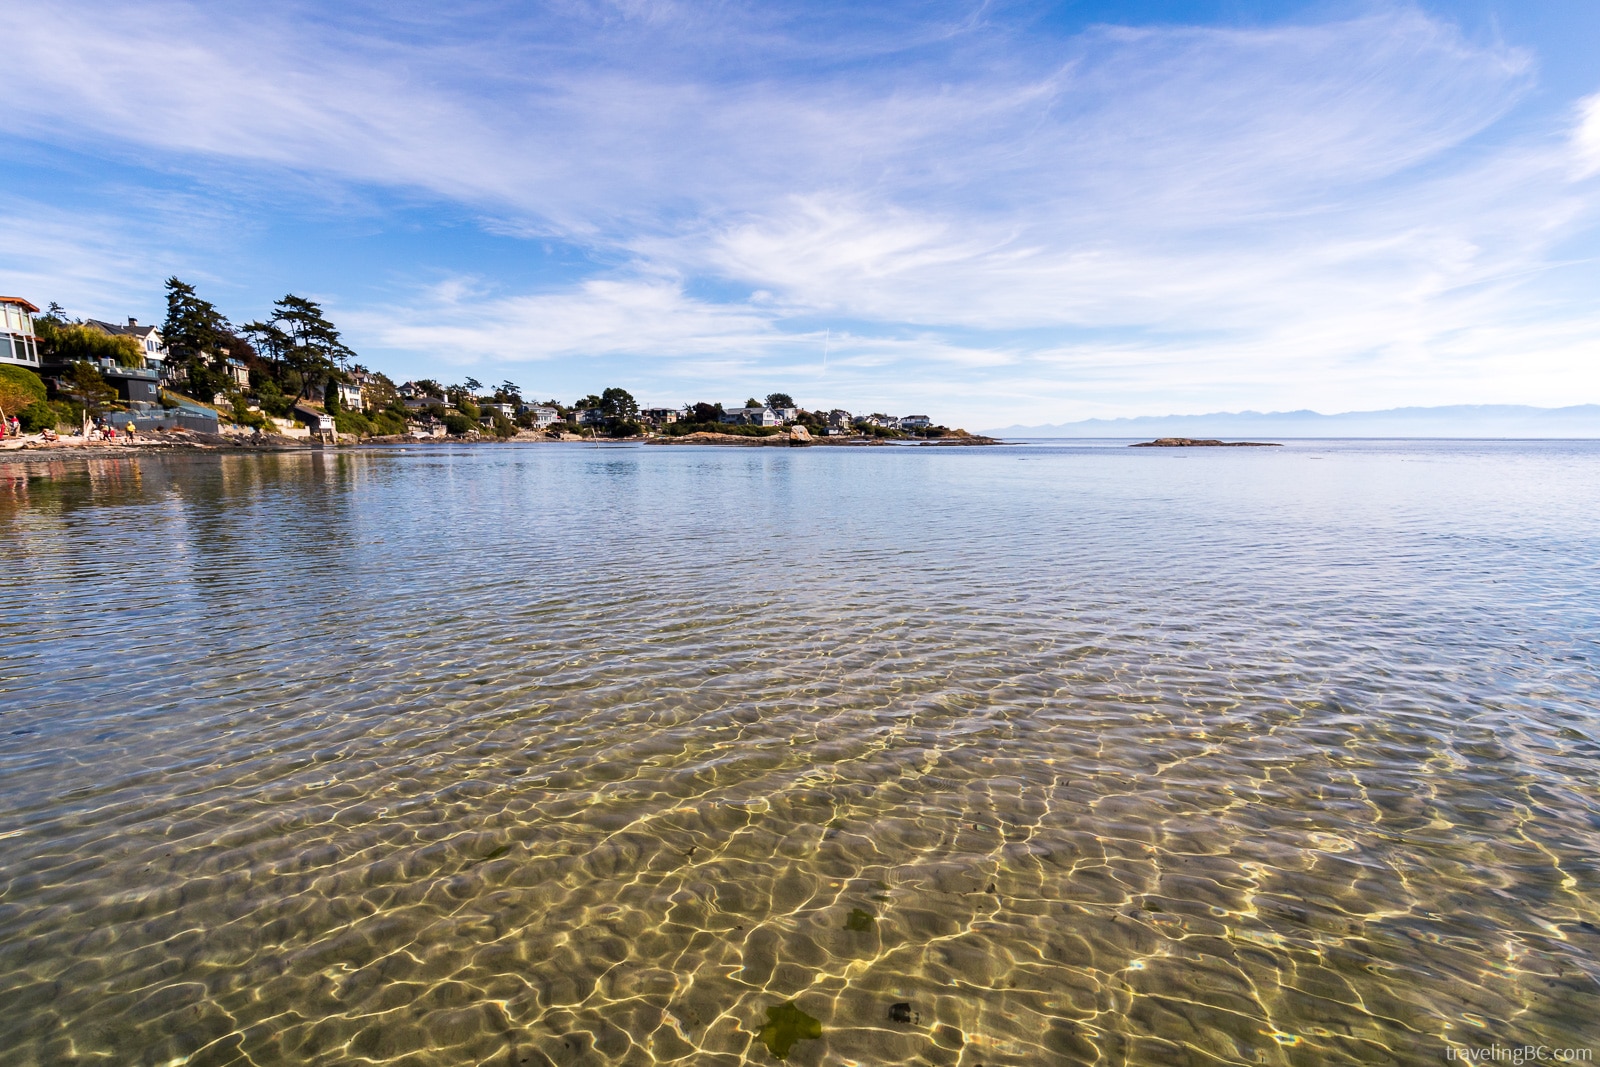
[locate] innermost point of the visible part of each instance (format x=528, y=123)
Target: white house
x=542, y=416
x=349, y=396
x=18, y=344
x=488, y=411
x=756, y=416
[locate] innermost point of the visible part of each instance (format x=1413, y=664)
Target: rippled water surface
x=579, y=755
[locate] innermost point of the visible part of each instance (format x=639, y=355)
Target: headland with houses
x=288, y=381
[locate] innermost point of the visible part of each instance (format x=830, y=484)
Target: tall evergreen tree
x=196, y=334
x=300, y=338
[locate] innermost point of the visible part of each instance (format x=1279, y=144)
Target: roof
x=32, y=310
x=127, y=331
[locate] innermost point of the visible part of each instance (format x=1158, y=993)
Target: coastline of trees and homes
x=288, y=378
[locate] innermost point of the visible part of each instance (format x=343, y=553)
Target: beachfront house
x=786, y=415
x=658, y=416
x=915, y=422
x=18, y=344
x=149, y=339
x=543, y=415
x=489, y=409
x=134, y=385
x=238, y=373
x=316, y=420
x=756, y=416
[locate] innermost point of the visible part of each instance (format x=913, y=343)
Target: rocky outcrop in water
x=1191, y=442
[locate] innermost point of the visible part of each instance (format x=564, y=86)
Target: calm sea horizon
x=1049, y=752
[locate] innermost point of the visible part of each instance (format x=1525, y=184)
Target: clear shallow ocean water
x=565, y=754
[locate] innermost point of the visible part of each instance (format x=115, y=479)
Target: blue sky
x=992, y=213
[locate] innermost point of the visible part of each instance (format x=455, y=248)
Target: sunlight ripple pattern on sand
x=585, y=755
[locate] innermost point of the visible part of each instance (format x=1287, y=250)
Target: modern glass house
x=18, y=345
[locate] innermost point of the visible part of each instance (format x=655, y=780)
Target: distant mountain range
x=1460, y=420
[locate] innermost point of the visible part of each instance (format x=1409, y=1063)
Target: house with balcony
x=19, y=346
x=349, y=394
x=544, y=416
x=658, y=416
x=149, y=339
x=915, y=422
x=489, y=409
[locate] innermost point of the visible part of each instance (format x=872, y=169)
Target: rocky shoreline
x=171, y=441
x=799, y=437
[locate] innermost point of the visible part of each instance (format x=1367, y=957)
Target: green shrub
x=19, y=387
x=680, y=429
x=245, y=417
x=387, y=424
x=503, y=427
x=353, y=423
x=459, y=425
x=273, y=399
x=37, y=416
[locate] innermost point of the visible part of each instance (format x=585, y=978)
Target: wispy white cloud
x=464, y=324
x=1586, y=137
x=1300, y=213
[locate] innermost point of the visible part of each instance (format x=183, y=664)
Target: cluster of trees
x=615, y=411
x=293, y=354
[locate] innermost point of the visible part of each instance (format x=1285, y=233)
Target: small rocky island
x=1190, y=442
